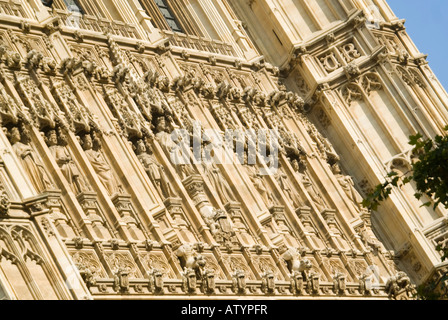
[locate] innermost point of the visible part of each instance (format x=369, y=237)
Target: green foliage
x=429, y=173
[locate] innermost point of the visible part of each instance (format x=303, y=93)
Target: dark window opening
x=74, y=6
x=169, y=16
x=47, y=3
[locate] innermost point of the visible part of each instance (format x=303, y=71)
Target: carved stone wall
x=93, y=205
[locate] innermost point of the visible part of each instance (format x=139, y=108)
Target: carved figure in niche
x=369, y=238
x=291, y=145
x=258, y=182
x=65, y=162
x=169, y=146
x=323, y=145
x=165, y=138
x=347, y=184
x=282, y=180
x=154, y=169
x=219, y=183
x=36, y=172
x=185, y=170
x=13, y=59
x=34, y=59
x=367, y=235
x=102, y=168
x=303, y=176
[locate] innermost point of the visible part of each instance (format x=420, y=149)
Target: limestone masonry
x=94, y=206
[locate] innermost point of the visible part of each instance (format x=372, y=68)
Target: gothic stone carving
x=58, y=148
x=399, y=287
x=36, y=172
x=92, y=149
x=156, y=281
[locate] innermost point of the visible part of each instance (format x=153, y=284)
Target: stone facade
x=93, y=207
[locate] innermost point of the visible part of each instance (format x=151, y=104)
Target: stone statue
x=185, y=170
x=36, y=172
x=258, y=182
x=166, y=141
x=101, y=167
x=154, y=170
x=169, y=146
x=218, y=182
x=282, y=180
x=65, y=162
x=347, y=184
x=369, y=238
x=315, y=196
x=191, y=260
x=294, y=261
x=323, y=145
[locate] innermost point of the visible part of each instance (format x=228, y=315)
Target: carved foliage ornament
x=41, y=110
x=5, y=203
x=411, y=76
x=78, y=116
x=360, y=88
